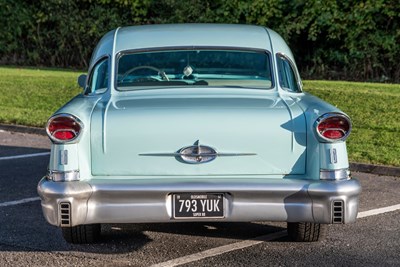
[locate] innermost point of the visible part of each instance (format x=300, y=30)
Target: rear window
x=213, y=68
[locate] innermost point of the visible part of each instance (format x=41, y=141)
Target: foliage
x=354, y=39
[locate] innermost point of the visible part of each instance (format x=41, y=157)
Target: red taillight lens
x=63, y=128
x=333, y=127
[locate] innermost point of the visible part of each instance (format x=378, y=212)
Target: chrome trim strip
x=64, y=157
x=333, y=155
x=64, y=176
x=340, y=174
x=161, y=154
x=195, y=154
x=217, y=154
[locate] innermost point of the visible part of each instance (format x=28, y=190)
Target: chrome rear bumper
x=149, y=200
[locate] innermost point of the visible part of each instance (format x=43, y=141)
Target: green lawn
x=30, y=96
x=374, y=110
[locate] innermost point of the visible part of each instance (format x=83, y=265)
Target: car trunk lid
x=251, y=134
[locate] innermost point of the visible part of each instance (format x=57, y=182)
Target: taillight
x=333, y=127
x=63, y=128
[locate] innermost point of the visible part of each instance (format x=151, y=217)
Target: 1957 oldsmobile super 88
x=196, y=122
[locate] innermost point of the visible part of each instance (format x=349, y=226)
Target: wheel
x=82, y=234
x=306, y=232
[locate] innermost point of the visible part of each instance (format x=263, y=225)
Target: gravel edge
x=354, y=167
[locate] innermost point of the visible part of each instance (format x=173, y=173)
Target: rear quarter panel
x=318, y=152
x=81, y=107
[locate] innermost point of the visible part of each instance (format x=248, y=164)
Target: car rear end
x=197, y=145
x=139, y=171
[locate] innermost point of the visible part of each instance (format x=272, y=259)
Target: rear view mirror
x=82, y=80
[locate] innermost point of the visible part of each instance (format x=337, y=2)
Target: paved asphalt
x=26, y=239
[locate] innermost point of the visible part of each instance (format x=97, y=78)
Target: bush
x=356, y=40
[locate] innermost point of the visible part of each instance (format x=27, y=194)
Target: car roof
x=172, y=35
x=189, y=35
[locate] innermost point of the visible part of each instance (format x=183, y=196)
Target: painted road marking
x=26, y=156
x=17, y=202
x=378, y=211
x=251, y=242
x=221, y=250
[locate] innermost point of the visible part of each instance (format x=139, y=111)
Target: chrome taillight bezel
x=331, y=115
x=60, y=141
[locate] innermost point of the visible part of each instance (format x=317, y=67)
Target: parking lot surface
x=26, y=239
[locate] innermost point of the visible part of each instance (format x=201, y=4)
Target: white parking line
x=221, y=250
x=21, y=201
x=26, y=156
x=248, y=243
x=378, y=211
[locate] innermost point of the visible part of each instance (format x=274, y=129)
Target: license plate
x=198, y=205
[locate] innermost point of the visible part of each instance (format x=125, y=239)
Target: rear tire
x=306, y=232
x=82, y=234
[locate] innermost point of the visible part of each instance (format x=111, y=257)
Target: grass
x=374, y=110
x=30, y=96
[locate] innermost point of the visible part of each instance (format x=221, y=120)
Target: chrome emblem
x=196, y=154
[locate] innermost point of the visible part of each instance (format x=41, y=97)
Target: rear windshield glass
x=214, y=68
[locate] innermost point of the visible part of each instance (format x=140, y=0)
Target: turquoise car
x=196, y=123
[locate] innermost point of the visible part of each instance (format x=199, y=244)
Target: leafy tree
x=354, y=39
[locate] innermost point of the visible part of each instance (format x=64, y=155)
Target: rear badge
x=196, y=154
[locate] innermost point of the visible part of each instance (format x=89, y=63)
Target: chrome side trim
x=61, y=176
x=64, y=157
x=340, y=174
x=177, y=154
x=196, y=154
x=333, y=155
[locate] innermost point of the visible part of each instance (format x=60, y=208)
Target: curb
x=354, y=167
x=23, y=129
x=375, y=169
